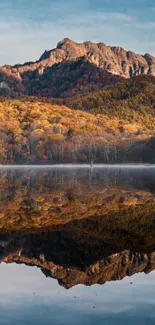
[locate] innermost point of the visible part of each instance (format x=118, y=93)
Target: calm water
x=77, y=245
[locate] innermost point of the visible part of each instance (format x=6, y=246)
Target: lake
x=77, y=245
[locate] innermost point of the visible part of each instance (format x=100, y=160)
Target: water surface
x=77, y=245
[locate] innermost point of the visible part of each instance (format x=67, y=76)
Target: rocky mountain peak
x=113, y=59
x=65, y=42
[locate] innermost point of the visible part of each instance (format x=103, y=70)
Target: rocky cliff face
x=110, y=58
x=113, y=59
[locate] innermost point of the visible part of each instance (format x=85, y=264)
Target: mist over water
x=79, y=166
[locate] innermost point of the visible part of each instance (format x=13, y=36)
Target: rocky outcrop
x=110, y=58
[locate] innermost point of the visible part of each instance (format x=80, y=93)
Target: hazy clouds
x=28, y=28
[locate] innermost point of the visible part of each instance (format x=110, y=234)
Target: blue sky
x=28, y=27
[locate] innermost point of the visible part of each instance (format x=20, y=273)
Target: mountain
x=72, y=68
x=113, y=59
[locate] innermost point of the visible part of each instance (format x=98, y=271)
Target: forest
x=109, y=126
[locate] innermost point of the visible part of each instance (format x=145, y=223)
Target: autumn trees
x=38, y=132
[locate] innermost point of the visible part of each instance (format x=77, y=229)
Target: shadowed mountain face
x=65, y=79
x=79, y=226
x=69, y=78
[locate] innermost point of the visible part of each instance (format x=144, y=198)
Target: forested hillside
x=33, y=131
x=131, y=99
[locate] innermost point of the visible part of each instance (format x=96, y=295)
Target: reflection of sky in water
x=28, y=297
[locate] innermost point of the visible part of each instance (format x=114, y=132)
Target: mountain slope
x=130, y=99
x=68, y=79
x=65, y=79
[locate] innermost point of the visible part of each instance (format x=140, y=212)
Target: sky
x=28, y=297
x=29, y=27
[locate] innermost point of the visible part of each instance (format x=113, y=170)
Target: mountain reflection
x=79, y=226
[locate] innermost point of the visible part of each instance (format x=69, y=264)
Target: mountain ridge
x=112, y=60
x=97, y=53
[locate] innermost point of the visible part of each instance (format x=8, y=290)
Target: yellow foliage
x=56, y=137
